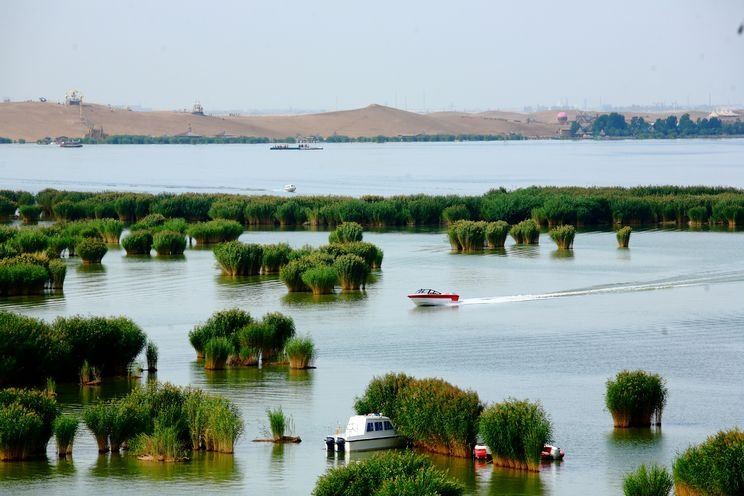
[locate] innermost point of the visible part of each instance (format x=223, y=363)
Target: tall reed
x=238, y=259
x=352, y=271
x=91, y=250
x=98, y=419
x=275, y=257
x=496, y=233
x=648, y=481
x=29, y=213
x=169, y=243
x=526, y=232
x=320, y=279
x=346, y=232
x=216, y=352
x=623, y=236
x=634, y=397
x=300, y=351
x=110, y=230
x=713, y=467
x=65, y=428
x=223, y=323
x=137, y=243
x=151, y=354
x=563, y=236
x=278, y=423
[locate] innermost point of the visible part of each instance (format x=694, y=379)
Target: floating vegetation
x=648, y=481
x=389, y=473
x=26, y=419
x=91, y=250
x=516, y=432
x=239, y=259
x=563, y=236
x=215, y=231
x=623, y=236
x=300, y=352
x=65, y=427
x=634, y=397
x=169, y=243
x=431, y=413
x=713, y=467
x=278, y=423
x=526, y=232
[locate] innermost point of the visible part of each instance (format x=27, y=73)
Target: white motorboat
x=430, y=297
x=290, y=188
x=365, y=432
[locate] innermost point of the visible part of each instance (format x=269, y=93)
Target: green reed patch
x=215, y=231
x=91, y=250
x=653, y=480
x=714, y=467
x=346, y=232
x=496, y=233
x=526, y=232
x=623, y=236
x=224, y=323
x=275, y=257
x=239, y=259
x=169, y=243
x=352, y=271
x=137, y=243
x=65, y=427
x=26, y=419
x=300, y=351
x=516, y=432
x=563, y=236
x=29, y=213
x=634, y=397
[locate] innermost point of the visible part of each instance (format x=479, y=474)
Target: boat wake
x=628, y=287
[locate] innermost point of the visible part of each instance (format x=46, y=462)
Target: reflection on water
x=302, y=299
x=623, y=254
x=515, y=482
x=26, y=470
x=202, y=466
x=525, y=251
x=562, y=254
x=97, y=270
x=635, y=436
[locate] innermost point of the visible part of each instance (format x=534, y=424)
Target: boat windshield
x=427, y=291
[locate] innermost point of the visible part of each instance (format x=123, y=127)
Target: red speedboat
x=430, y=297
x=550, y=452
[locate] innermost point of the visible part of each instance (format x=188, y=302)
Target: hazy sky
x=343, y=54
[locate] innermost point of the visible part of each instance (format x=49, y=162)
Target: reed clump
x=29, y=213
x=300, y=352
x=26, y=419
x=239, y=259
x=431, y=413
x=321, y=279
x=91, y=250
x=137, y=243
x=653, y=480
x=454, y=213
x=516, y=432
x=65, y=427
x=467, y=235
x=275, y=257
x=526, y=232
x=714, y=467
x=496, y=233
x=390, y=473
x=698, y=216
x=151, y=355
x=278, y=423
x=224, y=323
x=563, y=236
x=265, y=339
x=169, y=243
x=352, y=271
x=216, y=352
x=215, y=231
x=634, y=397
x=110, y=230
x=623, y=236
x=346, y=232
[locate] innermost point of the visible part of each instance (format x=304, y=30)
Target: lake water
x=532, y=324
x=361, y=168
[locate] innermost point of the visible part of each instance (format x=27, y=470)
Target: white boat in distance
x=430, y=297
x=290, y=188
x=364, y=433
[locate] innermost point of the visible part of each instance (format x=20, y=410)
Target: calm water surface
x=532, y=325
x=367, y=168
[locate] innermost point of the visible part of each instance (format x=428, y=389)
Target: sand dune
x=35, y=120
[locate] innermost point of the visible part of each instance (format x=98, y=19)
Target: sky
x=340, y=54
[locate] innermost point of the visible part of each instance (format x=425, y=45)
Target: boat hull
x=433, y=300
x=369, y=444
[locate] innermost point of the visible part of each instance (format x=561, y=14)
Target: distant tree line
x=615, y=125
x=5, y=140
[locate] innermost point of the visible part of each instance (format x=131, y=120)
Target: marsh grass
x=454, y=213
x=352, y=271
x=697, y=215
x=516, y=432
x=279, y=423
x=224, y=425
x=215, y=231
x=98, y=419
x=57, y=272
x=91, y=250
x=634, y=397
x=526, y=232
x=65, y=428
x=275, y=257
x=239, y=259
x=714, y=467
x=223, y=323
x=563, y=236
x=389, y=473
x=300, y=351
x=151, y=354
x=26, y=419
x=623, y=236
x=216, y=352
x=321, y=279
x=29, y=213
x=653, y=480
x=137, y=243
x=496, y=233
x=110, y=230
x=471, y=235
x=169, y=243
x=346, y=232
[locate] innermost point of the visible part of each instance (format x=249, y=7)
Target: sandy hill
x=35, y=120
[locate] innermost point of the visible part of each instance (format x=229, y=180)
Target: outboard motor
x=340, y=444
x=330, y=442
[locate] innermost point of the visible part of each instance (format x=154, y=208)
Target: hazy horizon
x=415, y=55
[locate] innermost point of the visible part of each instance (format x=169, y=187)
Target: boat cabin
x=371, y=425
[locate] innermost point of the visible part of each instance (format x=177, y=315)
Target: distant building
x=73, y=97
x=197, y=109
x=562, y=118
x=724, y=115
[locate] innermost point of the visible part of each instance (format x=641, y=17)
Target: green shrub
x=26, y=419
x=215, y=231
x=169, y=243
x=239, y=259
x=320, y=279
x=651, y=481
x=496, y=233
x=516, y=432
x=347, y=232
x=91, y=250
x=224, y=323
x=563, y=236
x=275, y=257
x=526, y=232
x=352, y=271
x=715, y=467
x=623, y=236
x=29, y=351
x=431, y=413
x=137, y=243
x=300, y=352
x=216, y=352
x=633, y=397
x=65, y=427
x=391, y=473
x=29, y=213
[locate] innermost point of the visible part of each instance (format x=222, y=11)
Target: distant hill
x=35, y=120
